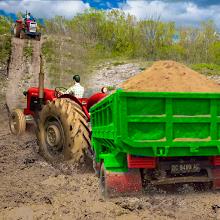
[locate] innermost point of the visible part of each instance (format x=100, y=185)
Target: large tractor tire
x=63, y=132
x=17, y=122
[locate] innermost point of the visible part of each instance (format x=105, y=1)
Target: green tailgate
x=157, y=124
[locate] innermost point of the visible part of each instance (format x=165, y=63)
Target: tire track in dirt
x=34, y=64
x=16, y=68
x=23, y=71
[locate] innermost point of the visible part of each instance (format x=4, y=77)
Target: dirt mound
x=170, y=76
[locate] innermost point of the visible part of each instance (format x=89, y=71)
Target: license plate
x=185, y=168
x=33, y=27
x=33, y=30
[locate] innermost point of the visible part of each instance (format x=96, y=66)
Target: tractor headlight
x=25, y=93
x=104, y=90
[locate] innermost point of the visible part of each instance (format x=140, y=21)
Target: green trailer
x=161, y=137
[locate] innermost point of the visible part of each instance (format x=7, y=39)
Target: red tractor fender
x=33, y=93
x=94, y=99
x=19, y=21
x=82, y=102
x=85, y=103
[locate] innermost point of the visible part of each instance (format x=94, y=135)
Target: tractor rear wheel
x=17, y=122
x=63, y=132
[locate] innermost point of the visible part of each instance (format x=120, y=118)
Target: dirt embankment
x=23, y=71
x=170, y=76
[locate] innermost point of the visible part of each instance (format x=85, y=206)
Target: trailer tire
x=103, y=182
x=63, y=132
x=17, y=122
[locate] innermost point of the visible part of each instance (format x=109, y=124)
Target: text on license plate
x=185, y=168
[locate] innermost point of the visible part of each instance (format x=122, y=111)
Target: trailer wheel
x=17, y=122
x=62, y=131
x=103, y=182
x=114, y=184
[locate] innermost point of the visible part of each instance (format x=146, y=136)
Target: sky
x=190, y=12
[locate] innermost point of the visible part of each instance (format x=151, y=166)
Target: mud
x=31, y=188
x=170, y=76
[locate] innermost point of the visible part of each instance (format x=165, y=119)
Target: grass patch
x=5, y=48
x=207, y=68
x=111, y=88
x=28, y=51
x=118, y=63
x=48, y=50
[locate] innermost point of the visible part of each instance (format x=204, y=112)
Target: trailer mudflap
x=141, y=162
x=216, y=178
x=123, y=183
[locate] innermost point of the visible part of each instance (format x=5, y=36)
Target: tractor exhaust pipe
x=41, y=83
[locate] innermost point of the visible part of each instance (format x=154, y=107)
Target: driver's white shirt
x=77, y=90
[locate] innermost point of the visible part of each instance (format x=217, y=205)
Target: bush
x=207, y=68
x=5, y=39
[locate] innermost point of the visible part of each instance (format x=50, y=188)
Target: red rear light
x=141, y=162
x=216, y=161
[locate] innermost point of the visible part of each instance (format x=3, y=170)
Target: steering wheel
x=59, y=91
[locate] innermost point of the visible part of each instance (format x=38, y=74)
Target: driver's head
x=76, y=78
x=29, y=13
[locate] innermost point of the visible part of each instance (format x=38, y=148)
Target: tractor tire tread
x=74, y=125
x=20, y=118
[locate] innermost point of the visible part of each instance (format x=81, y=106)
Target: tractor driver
x=28, y=16
x=77, y=90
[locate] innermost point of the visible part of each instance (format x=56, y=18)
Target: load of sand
x=170, y=76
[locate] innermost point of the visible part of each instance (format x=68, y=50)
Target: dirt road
x=30, y=188
x=16, y=68
x=23, y=71
x=33, y=189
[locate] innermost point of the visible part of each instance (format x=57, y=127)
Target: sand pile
x=170, y=76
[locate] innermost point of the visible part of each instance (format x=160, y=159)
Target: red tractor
x=62, y=121
x=26, y=28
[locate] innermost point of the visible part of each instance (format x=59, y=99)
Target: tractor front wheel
x=63, y=132
x=17, y=122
